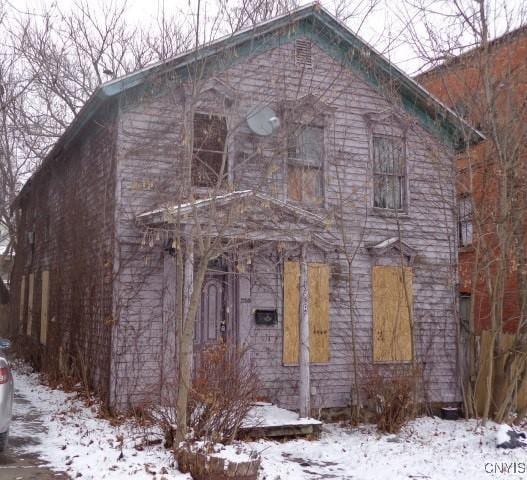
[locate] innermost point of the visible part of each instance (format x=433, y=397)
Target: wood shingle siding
x=107, y=295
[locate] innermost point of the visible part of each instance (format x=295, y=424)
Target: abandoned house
x=321, y=175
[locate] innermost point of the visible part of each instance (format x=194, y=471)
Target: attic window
x=303, y=56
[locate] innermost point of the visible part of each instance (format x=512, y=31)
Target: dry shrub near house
x=225, y=386
x=393, y=396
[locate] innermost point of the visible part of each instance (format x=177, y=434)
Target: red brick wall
x=462, y=83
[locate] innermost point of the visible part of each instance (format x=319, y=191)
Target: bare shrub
x=224, y=388
x=392, y=394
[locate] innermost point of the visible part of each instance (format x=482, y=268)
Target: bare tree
x=484, y=84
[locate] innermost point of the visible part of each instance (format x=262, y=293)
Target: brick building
x=461, y=84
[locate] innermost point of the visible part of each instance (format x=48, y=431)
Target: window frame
x=306, y=163
x=226, y=149
x=404, y=169
x=464, y=220
x=464, y=323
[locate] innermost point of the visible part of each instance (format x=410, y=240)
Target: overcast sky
x=385, y=27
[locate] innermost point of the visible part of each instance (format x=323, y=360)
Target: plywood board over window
x=22, y=305
x=291, y=312
x=392, y=313
x=44, y=308
x=31, y=289
x=318, y=311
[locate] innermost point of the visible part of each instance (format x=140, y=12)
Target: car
x=6, y=393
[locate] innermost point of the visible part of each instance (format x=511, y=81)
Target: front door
x=213, y=323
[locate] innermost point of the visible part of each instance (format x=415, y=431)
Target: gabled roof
x=184, y=210
x=311, y=21
x=246, y=204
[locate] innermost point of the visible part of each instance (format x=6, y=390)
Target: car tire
x=3, y=441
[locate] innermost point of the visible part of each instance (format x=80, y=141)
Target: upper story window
x=465, y=220
x=389, y=173
x=209, y=160
x=305, y=164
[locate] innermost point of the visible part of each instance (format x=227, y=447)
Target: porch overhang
x=243, y=215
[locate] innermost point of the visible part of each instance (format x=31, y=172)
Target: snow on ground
x=79, y=442
x=428, y=448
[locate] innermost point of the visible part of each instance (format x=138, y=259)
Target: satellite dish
x=262, y=120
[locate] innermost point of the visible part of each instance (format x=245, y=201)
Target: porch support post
x=188, y=287
x=305, y=379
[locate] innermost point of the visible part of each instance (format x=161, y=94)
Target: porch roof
x=242, y=214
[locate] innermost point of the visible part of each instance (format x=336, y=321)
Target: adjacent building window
x=209, y=162
x=465, y=302
x=305, y=155
x=389, y=173
x=392, y=314
x=465, y=220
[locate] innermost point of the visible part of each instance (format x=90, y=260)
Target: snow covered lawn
x=79, y=442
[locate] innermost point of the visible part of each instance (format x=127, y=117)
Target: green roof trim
x=322, y=28
x=337, y=40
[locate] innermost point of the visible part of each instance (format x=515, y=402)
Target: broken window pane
x=210, y=133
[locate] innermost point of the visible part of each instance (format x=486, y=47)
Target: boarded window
x=465, y=220
x=318, y=310
x=31, y=290
x=389, y=177
x=291, y=311
x=305, y=155
x=22, y=305
x=392, y=308
x=44, y=308
x=318, y=281
x=208, y=165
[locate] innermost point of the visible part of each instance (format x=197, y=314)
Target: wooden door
x=213, y=324
x=211, y=315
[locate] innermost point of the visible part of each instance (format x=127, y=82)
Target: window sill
x=383, y=212
x=392, y=362
x=311, y=364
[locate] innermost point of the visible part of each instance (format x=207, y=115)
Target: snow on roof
x=164, y=214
